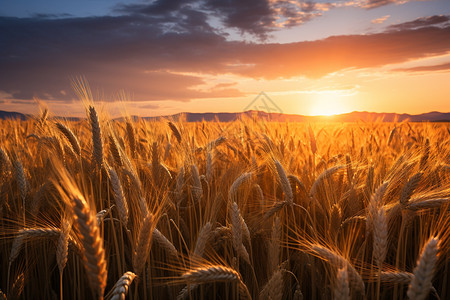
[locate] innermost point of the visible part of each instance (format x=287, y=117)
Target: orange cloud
x=380, y=20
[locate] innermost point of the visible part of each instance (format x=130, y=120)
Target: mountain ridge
x=365, y=116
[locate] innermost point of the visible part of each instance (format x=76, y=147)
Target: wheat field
x=134, y=209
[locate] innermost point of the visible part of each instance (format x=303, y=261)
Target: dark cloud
x=440, y=20
x=253, y=16
x=51, y=16
x=159, y=7
x=166, y=52
x=378, y=3
x=440, y=67
x=149, y=106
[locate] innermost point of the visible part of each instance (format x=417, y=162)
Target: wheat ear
x=119, y=196
x=94, y=253
x=5, y=162
x=114, y=148
x=131, y=138
x=324, y=175
x=97, y=142
x=426, y=204
x=409, y=187
x=175, y=131
x=287, y=189
x=312, y=140
x=164, y=243
x=341, y=290
x=21, y=181
x=380, y=236
x=197, y=190
x=298, y=295
x=202, y=239
x=209, y=167
x=336, y=259
x=421, y=284
x=143, y=244
x=236, y=184
x=122, y=285
x=274, y=246
x=70, y=136
x=63, y=245
x=273, y=289
x=216, y=273
x=375, y=202
x=237, y=233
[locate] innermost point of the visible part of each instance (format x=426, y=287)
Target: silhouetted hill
x=365, y=116
x=12, y=115
x=349, y=117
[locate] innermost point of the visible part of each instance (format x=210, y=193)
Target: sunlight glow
x=328, y=104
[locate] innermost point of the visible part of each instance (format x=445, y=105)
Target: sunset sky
x=165, y=57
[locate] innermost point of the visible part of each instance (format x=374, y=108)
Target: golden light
x=328, y=103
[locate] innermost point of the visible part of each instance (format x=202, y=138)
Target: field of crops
x=104, y=209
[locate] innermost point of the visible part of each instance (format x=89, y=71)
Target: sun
x=328, y=103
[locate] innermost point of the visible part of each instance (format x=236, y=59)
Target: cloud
x=437, y=20
x=380, y=20
x=377, y=3
x=51, y=16
x=255, y=17
x=432, y=68
x=158, y=53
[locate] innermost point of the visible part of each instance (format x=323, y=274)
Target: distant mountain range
x=278, y=117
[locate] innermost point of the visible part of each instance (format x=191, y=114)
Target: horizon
x=235, y=112
x=153, y=58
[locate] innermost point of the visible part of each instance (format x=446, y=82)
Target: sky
x=158, y=57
